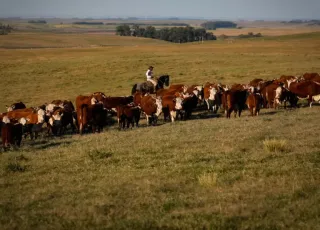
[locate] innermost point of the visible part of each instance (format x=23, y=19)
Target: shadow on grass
x=45, y=144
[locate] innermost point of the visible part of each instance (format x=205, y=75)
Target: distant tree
x=250, y=35
x=210, y=36
x=5, y=29
x=137, y=31
x=163, y=34
x=199, y=34
x=150, y=32
x=38, y=21
x=212, y=25
x=190, y=34
x=209, y=25
x=88, y=23
x=123, y=30
x=173, y=34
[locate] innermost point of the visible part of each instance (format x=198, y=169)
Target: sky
x=209, y=9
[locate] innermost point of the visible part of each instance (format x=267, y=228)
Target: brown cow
x=11, y=132
x=255, y=82
x=271, y=95
x=91, y=116
x=82, y=109
x=35, y=119
x=304, y=89
x=254, y=101
x=128, y=114
x=15, y=106
x=212, y=95
x=234, y=100
x=137, y=98
x=111, y=103
x=163, y=92
x=312, y=77
x=170, y=106
x=152, y=108
x=182, y=88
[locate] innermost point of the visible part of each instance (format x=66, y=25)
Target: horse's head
x=164, y=79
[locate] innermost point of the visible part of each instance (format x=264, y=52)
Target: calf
x=128, y=114
x=253, y=102
x=97, y=117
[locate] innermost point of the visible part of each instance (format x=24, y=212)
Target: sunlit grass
x=209, y=173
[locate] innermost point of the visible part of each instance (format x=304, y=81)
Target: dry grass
x=200, y=174
x=274, y=145
x=267, y=31
x=208, y=179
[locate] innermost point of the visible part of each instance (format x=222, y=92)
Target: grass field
x=205, y=173
x=267, y=31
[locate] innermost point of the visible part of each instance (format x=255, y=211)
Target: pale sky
x=210, y=9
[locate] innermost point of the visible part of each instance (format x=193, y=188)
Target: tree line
x=212, y=25
x=146, y=24
x=88, y=23
x=38, y=21
x=5, y=29
x=173, y=34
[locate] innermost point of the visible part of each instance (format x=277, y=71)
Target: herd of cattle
x=175, y=102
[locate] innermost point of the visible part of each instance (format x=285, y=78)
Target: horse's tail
x=134, y=89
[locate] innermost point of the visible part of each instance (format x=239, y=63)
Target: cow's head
x=22, y=121
x=251, y=89
x=184, y=88
x=198, y=91
x=159, y=106
x=41, y=116
x=213, y=91
x=94, y=101
x=6, y=120
x=279, y=91
x=289, y=81
x=10, y=108
x=178, y=103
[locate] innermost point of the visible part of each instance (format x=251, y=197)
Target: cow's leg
x=173, y=115
x=81, y=128
x=310, y=101
x=207, y=101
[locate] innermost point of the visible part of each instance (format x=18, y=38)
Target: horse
x=148, y=87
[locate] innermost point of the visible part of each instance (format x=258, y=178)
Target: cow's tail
x=134, y=89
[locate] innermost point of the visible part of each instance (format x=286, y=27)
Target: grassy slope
x=200, y=173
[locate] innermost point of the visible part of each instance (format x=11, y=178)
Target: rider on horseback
x=150, y=77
